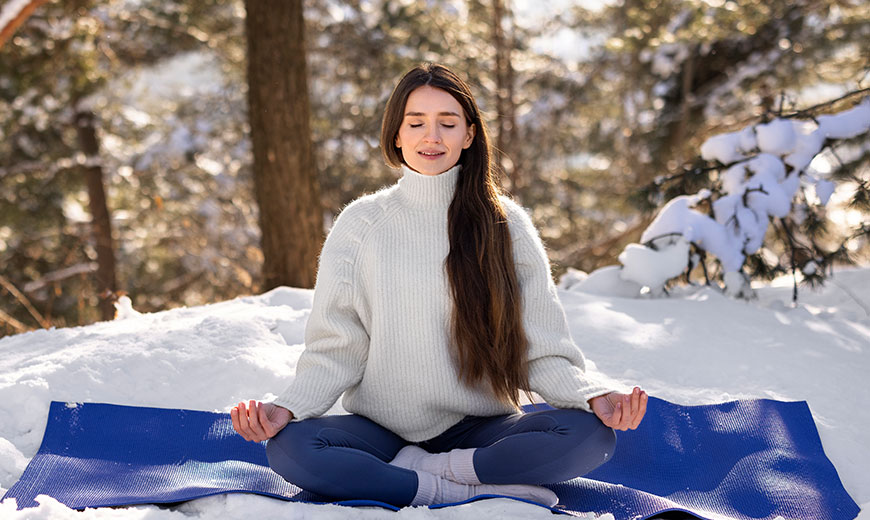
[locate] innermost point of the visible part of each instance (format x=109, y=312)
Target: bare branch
x=60, y=274
x=810, y=111
x=6, y=284
x=15, y=324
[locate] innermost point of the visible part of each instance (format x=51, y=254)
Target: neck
x=428, y=191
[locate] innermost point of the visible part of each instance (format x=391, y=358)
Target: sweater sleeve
x=557, y=368
x=336, y=342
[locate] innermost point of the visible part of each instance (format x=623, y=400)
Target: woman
x=433, y=309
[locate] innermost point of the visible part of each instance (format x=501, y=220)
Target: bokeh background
x=598, y=111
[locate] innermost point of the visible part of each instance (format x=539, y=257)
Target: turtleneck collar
x=428, y=191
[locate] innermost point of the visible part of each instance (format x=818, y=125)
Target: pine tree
x=291, y=221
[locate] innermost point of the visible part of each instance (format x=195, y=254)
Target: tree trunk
x=101, y=223
x=286, y=189
x=505, y=134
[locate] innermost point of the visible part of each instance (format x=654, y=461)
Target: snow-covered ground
x=696, y=347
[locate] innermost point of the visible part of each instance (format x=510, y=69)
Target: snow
x=808, y=143
x=653, y=267
x=824, y=190
x=678, y=216
x=777, y=137
x=725, y=148
x=604, y=281
x=847, y=124
x=766, y=165
x=696, y=347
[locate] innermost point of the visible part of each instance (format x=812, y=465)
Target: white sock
x=456, y=465
x=432, y=489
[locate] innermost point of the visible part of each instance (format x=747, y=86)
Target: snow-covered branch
x=761, y=169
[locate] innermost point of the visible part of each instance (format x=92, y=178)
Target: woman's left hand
x=620, y=411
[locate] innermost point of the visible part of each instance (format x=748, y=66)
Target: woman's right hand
x=259, y=421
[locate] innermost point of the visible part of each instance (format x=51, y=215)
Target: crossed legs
x=348, y=456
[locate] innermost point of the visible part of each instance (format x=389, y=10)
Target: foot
x=432, y=489
x=537, y=494
x=456, y=465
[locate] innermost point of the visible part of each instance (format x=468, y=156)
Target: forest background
x=224, y=135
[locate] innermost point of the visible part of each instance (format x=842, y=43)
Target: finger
x=625, y=420
x=234, y=415
x=241, y=417
x=635, y=404
x=635, y=408
x=268, y=424
x=641, y=412
x=245, y=421
x=264, y=421
x=254, y=421
x=606, y=410
x=616, y=416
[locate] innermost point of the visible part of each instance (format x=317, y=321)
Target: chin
x=427, y=169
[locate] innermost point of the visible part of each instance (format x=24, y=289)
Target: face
x=434, y=131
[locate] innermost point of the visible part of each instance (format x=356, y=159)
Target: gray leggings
x=346, y=456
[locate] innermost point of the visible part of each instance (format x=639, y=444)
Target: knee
x=603, y=440
x=288, y=451
x=586, y=430
x=277, y=452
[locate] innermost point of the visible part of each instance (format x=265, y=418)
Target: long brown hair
x=486, y=322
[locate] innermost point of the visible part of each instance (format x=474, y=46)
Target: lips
x=430, y=154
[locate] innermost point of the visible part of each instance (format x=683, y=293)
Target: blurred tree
x=665, y=75
x=604, y=101
x=90, y=51
x=101, y=222
x=291, y=219
x=46, y=159
x=506, y=151
x=358, y=51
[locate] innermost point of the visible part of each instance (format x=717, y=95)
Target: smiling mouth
x=431, y=154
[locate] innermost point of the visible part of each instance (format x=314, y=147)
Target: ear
x=398, y=141
x=469, y=136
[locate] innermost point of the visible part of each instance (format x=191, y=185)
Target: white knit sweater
x=379, y=326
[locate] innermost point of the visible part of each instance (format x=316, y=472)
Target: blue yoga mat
x=753, y=459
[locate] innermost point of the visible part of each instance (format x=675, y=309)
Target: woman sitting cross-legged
x=434, y=310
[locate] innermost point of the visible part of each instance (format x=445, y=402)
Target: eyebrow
x=419, y=114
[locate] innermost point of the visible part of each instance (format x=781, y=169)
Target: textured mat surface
x=744, y=459
x=741, y=459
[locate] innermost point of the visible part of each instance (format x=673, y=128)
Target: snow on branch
x=761, y=170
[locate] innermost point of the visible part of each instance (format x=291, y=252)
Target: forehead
x=431, y=100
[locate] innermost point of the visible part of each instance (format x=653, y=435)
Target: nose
x=432, y=135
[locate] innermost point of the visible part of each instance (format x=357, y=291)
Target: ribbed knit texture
x=379, y=325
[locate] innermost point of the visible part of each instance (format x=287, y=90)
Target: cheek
x=460, y=137
x=406, y=135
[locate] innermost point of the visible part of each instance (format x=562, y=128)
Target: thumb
x=616, y=415
x=265, y=421
x=607, y=412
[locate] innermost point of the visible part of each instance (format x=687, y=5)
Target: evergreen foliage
x=628, y=100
